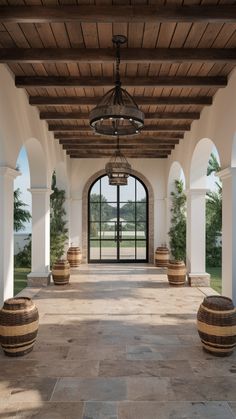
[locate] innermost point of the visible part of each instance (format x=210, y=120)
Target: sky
x=23, y=182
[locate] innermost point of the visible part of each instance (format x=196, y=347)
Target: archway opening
x=117, y=221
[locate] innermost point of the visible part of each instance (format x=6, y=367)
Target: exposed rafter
x=153, y=115
x=112, y=14
x=129, y=55
x=154, y=128
x=140, y=100
x=165, y=81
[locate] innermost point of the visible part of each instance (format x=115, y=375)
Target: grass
x=216, y=277
x=20, y=279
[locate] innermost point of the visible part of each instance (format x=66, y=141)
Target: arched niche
x=86, y=189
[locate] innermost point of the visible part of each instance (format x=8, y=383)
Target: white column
x=40, y=250
x=7, y=176
x=228, y=177
x=196, y=238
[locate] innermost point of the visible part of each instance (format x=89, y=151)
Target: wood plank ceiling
x=178, y=54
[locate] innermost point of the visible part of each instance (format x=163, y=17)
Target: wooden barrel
x=162, y=257
x=18, y=326
x=216, y=323
x=74, y=256
x=61, y=272
x=176, y=272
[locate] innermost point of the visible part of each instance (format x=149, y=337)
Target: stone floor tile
x=204, y=388
x=145, y=368
x=214, y=367
x=173, y=410
x=97, y=352
x=46, y=410
x=100, y=410
x=26, y=388
x=232, y=406
x=149, y=389
x=79, y=389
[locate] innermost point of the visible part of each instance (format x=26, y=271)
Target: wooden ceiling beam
x=110, y=153
x=166, y=136
x=152, y=115
x=140, y=100
x=135, y=142
x=87, y=128
x=117, y=14
x=129, y=55
x=114, y=147
x=138, y=156
x=154, y=81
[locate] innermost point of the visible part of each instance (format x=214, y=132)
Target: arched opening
x=118, y=221
x=176, y=173
x=205, y=204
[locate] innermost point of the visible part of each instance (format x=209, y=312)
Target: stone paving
x=118, y=343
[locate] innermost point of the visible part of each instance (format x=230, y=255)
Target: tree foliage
x=58, y=229
x=177, y=230
x=213, y=218
x=21, y=215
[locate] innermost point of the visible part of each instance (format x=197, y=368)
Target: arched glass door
x=118, y=222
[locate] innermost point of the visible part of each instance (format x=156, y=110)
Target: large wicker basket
x=176, y=272
x=18, y=326
x=74, y=256
x=61, y=272
x=216, y=323
x=162, y=256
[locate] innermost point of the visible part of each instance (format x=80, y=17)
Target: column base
x=199, y=279
x=38, y=279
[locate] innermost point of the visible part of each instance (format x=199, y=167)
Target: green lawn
x=215, y=278
x=20, y=279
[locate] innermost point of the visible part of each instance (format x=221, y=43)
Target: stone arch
x=39, y=174
x=86, y=188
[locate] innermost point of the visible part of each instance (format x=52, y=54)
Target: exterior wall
x=83, y=170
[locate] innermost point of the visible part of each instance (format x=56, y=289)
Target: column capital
x=38, y=191
x=9, y=172
x=226, y=173
x=196, y=191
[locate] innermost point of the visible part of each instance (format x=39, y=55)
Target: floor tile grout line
x=54, y=388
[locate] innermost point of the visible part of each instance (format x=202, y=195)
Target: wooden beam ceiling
x=129, y=55
x=114, y=147
x=130, y=141
x=119, y=14
x=157, y=81
x=152, y=115
x=154, y=128
x=140, y=100
x=164, y=136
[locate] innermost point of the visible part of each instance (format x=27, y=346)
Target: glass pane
x=94, y=249
x=95, y=211
x=127, y=211
x=95, y=192
x=109, y=230
x=127, y=230
x=108, y=249
x=141, y=193
x=141, y=246
x=127, y=193
x=108, y=211
x=141, y=209
x=107, y=191
x=127, y=249
x=141, y=230
x=94, y=230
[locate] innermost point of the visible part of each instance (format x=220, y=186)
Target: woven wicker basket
x=61, y=272
x=18, y=326
x=74, y=256
x=162, y=257
x=216, y=323
x=176, y=272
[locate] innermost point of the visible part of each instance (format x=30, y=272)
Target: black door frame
x=118, y=260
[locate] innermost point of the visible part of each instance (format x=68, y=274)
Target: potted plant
x=176, y=268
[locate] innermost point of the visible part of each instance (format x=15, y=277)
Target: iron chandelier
x=118, y=169
x=117, y=113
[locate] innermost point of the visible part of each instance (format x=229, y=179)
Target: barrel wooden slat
x=216, y=323
x=176, y=272
x=162, y=257
x=18, y=326
x=74, y=256
x=61, y=272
